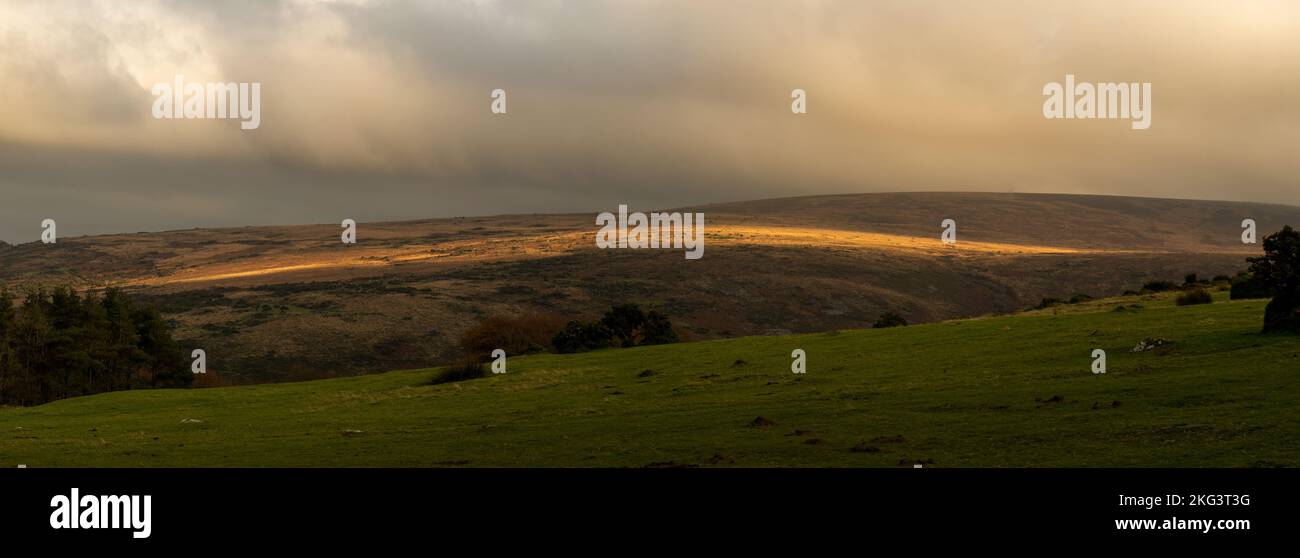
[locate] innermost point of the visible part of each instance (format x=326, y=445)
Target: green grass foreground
x=1011, y=391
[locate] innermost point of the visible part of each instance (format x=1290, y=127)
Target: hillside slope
x=1013, y=391
x=277, y=303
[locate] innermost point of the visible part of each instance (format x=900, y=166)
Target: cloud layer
x=380, y=110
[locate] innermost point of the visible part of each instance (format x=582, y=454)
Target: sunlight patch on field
x=321, y=262
x=798, y=236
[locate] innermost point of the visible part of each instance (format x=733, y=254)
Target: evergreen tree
x=165, y=361
x=60, y=343
x=6, y=351
x=1279, y=270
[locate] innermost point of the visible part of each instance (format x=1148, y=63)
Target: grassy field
x=1012, y=391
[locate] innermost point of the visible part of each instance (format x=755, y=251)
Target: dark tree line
x=624, y=325
x=58, y=343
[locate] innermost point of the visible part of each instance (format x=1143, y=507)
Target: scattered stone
x=801, y=433
x=351, y=432
x=862, y=447
x=646, y=373
x=1150, y=343
x=1053, y=399
x=191, y=421
x=720, y=459
x=762, y=422
x=739, y=362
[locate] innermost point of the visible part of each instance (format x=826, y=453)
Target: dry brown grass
x=274, y=303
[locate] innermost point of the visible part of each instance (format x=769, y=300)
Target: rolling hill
x=291, y=303
x=1007, y=391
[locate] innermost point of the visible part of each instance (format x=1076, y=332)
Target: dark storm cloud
x=379, y=110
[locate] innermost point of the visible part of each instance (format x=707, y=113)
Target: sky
x=381, y=110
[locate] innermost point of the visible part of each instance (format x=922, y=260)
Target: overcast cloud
x=380, y=110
